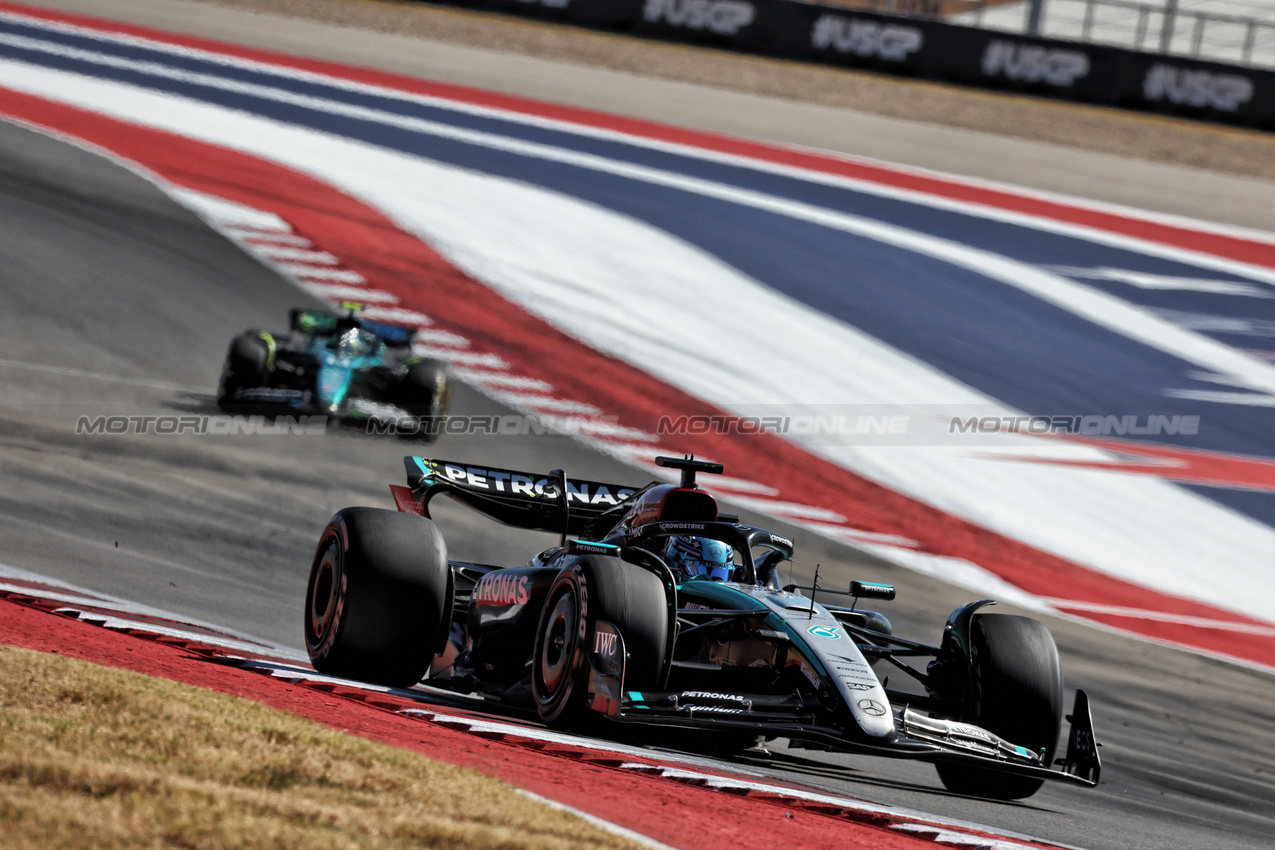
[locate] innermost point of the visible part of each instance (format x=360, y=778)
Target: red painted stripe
x=1228, y=247
x=689, y=817
x=1180, y=636
x=399, y=263
x=1190, y=466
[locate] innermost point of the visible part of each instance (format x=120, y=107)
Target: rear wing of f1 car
x=527, y=500
x=322, y=322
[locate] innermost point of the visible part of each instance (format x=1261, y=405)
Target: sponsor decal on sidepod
x=496, y=589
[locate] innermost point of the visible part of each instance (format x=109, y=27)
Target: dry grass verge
x=92, y=756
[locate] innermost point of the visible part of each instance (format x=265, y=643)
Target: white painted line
x=54, y=590
x=736, y=485
x=860, y=535
x=256, y=238
x=302, y=675
x=607, y=433
x=119, y=624
x=921, y=819
x=99, y=376
x=536, y=733
x=447, y=339
x=315, y=273
x=540, y=402
x=463, y=358
x=504, y=381
x=229, y=214
x=642, y=453
x=629, y=834
x=1072, y=606
x=729, y=783
x=399, y=315
x=785, y=510
x=960, y=839
x=272, y=252
x=85, y=598
x=338, y=293
x=1146, y=280
x=241, y=230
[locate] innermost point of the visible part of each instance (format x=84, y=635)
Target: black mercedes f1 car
x=609, y=626
x=340, y=366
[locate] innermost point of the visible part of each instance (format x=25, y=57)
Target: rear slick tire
x=379, y=599
x=1017, y=694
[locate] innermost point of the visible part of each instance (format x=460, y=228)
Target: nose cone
x=333, y=382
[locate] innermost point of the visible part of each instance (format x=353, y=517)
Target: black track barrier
x=933, y=50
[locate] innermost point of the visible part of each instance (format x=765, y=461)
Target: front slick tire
x=588, y=590
x=426, y=394
x=246, y=367
x=1017, y=694
x=379, y=599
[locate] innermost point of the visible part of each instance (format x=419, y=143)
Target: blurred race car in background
x=342, y=366
x=612, y=627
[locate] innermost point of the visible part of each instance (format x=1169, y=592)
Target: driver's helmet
x=700, y=557
x=353, y=342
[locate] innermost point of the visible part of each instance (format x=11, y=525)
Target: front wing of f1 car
x=886, y=725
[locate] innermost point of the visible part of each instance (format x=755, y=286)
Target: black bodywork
x=599, y=627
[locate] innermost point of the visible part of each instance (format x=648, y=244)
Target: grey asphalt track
x=117, y=301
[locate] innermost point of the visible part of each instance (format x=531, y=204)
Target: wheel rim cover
x=558, y=642
x=323, y=598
